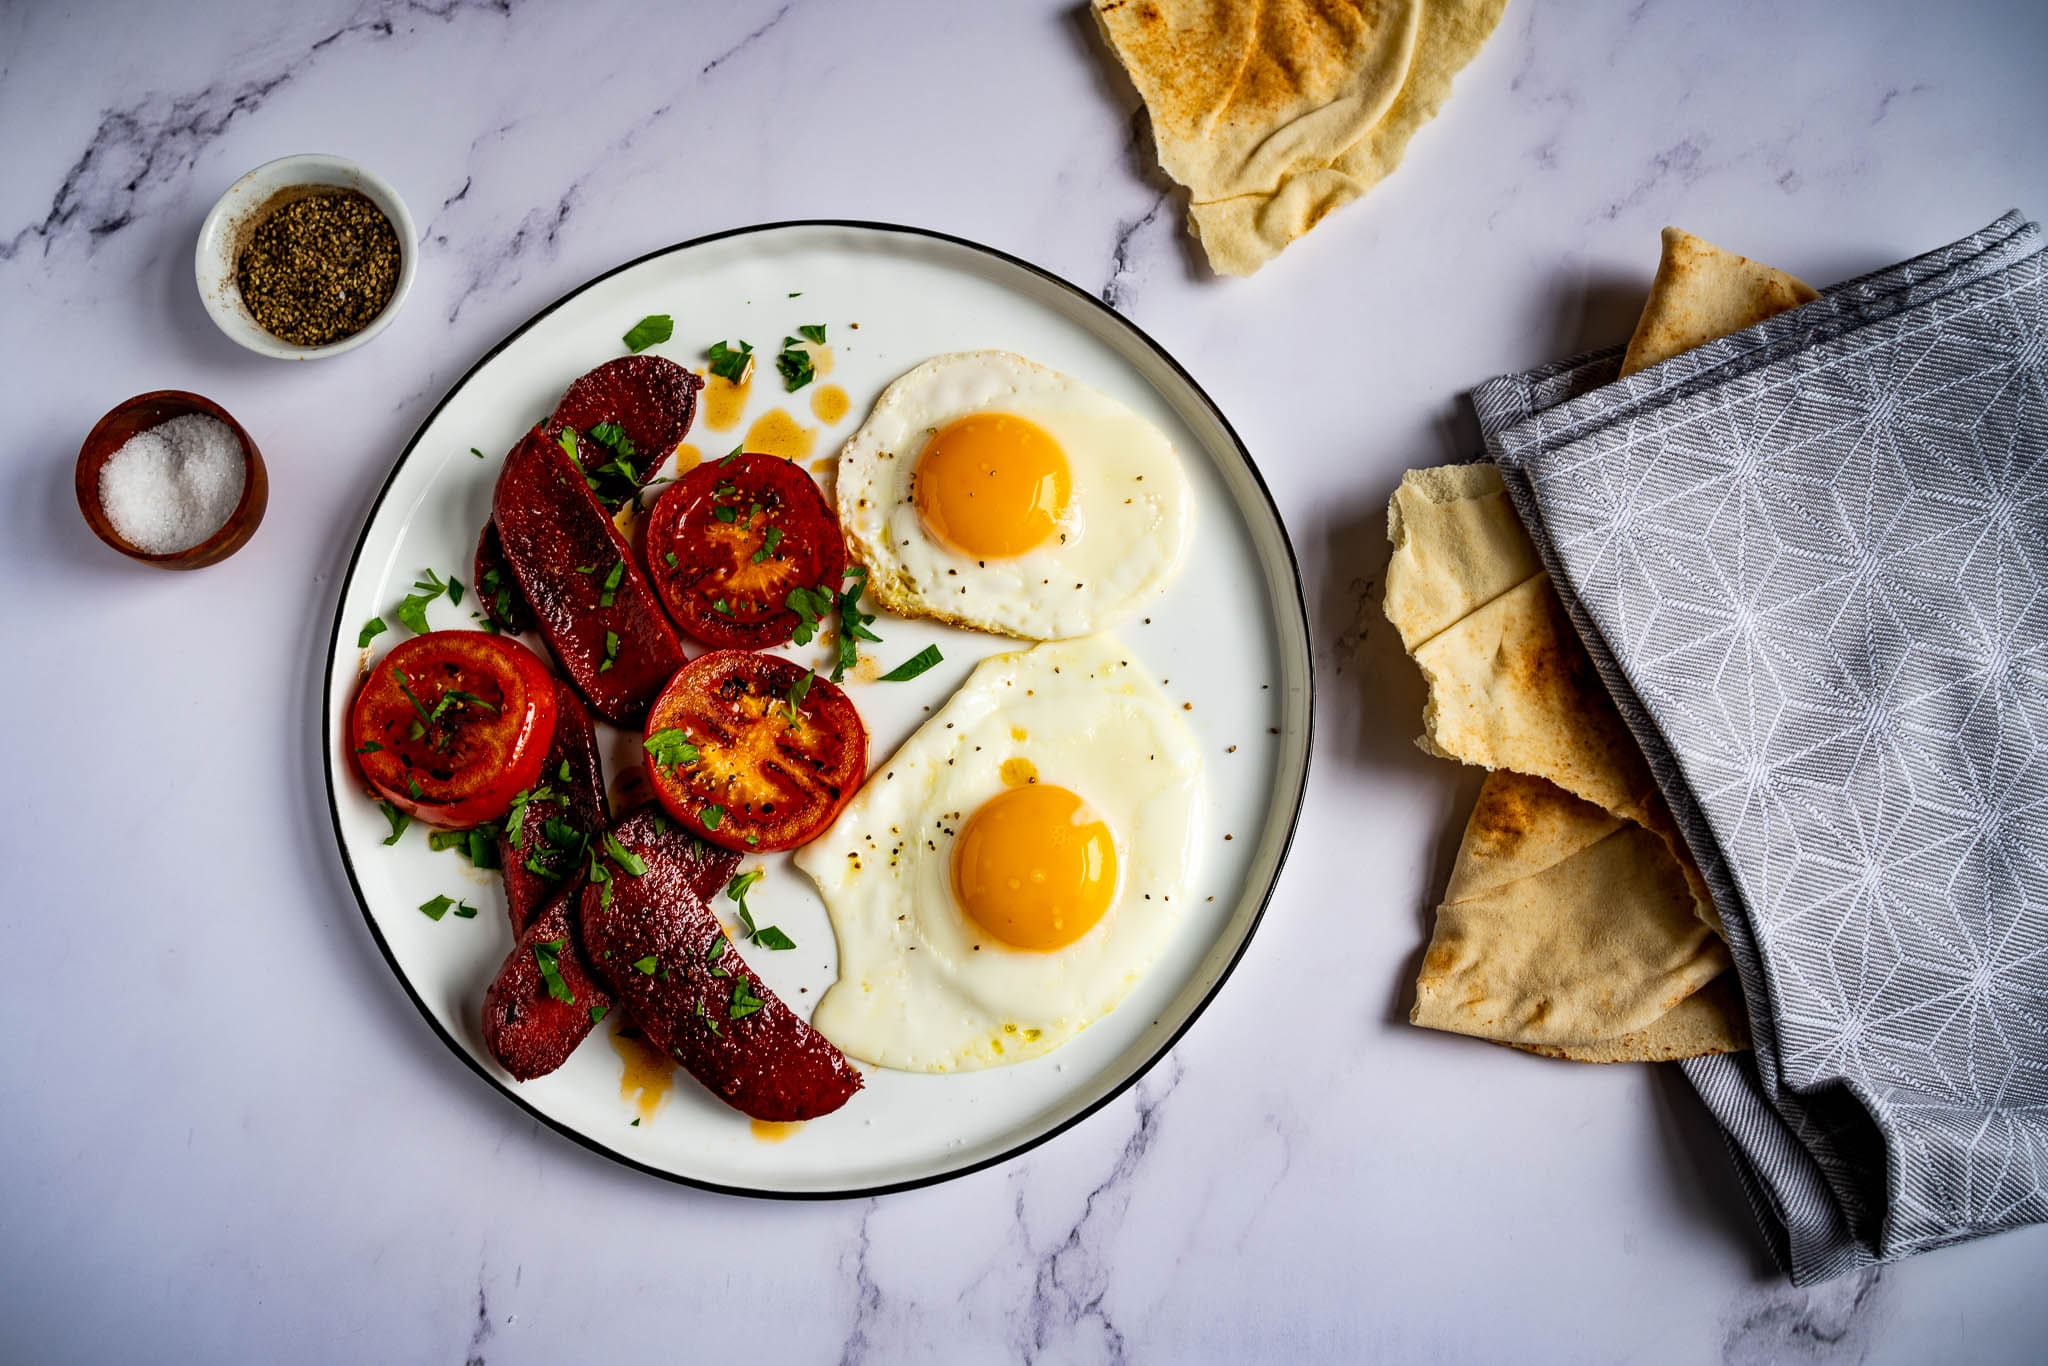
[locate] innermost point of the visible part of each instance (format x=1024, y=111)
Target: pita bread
x=1562, y=925
x=1702, y=293
x=1274, y=114
x=1711, y=1020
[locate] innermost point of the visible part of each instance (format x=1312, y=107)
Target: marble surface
x=239, y=1142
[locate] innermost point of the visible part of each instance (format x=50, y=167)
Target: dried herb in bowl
x=318, y=266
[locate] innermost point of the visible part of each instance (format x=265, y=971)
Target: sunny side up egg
x=1008, y=876
x=991, y=492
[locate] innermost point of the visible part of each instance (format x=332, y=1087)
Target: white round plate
x=1230, y=637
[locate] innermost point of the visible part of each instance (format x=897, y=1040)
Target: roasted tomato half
x=732, y=538
x=451, y=726
x=753, y=752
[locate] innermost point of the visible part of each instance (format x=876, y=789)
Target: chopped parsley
x=795, y=364
x=670, y=558
x=611, y=650
x=651, y=330
x=454, y=591
x=436, y=908
x=809, y=604
x=769, y=542
x=711, y=816
x=399, y=820
x=730, y=364
x=631, y=863
x=549, y=956
x=372, y=628
x=412, y=609
x=668, y=748
x=464, y=911
x=853, y=623
x=369, y=747
x=813, y=332
x=611, y=584
x=646, y=965
x=797, y=692
x=721, y=606
x=598, y=1013
x=913, y=666
x=475, y=452
x=567, y=441
x=744, y=1001
x=768, y=936
x=499, y=592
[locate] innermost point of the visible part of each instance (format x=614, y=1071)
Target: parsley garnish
x=670, y=558
x=721, y=606
x=475, y=452
x=646, y=965
x=630, y=862
x=598, y=1013
x=711, y=816
x=797, y=692
x=613, y=438
x=813, y=332
x=412, y=610
x=611, y=650
x=454, y=591
x=611, y=584
x=549, y=956
x=809, y=604
x=668, y=748
x=730, y=364
x=567, y=441
x=768, y=936
x=399, y=820
x=853, y=623
x=436, y=908
x=913, y=666
x=795, y=364
x=369, y=747
x=744, y=1001
x=464, y=911
x=372, y=628
x=769, y=542
x=651, y=330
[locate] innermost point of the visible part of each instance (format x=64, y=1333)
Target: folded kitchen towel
x=1810, y=561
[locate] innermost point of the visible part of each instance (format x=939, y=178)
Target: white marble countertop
x=240, y=1142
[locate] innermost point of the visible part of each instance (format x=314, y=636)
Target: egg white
x=921, y=986
x=1128, y=524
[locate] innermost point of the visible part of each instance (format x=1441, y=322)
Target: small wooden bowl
x=139, y=414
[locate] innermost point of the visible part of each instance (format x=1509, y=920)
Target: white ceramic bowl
x=214, y=261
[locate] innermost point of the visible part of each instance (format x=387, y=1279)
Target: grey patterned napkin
x=1811, y=563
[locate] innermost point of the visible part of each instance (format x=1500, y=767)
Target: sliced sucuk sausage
x=589, y=598
x=654, y=399
x=672, y=969
x=495, y=584
x=564, y=812
x=529, y=1029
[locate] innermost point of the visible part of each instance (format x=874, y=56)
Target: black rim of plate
x=1019, y=1149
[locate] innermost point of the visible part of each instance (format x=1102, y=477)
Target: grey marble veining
x=239, y=1143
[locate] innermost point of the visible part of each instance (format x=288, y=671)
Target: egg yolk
x=1035, y=867
x=992, y=485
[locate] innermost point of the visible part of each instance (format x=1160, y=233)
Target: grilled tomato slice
x=729, y=542
x=451, y=726
x=753, y=752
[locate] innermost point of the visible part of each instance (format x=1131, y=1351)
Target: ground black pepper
x=319, y=267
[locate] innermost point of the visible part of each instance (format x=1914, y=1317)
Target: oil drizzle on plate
x=770, y=1131
x=775, y=432
x=688, y=457
x=829, y=404
x=725, y=402
x=648, y=1073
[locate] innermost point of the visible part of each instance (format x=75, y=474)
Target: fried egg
x=988, y=491
x=1007, y=877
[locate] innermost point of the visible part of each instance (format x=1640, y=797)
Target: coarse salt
x=172, y=486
